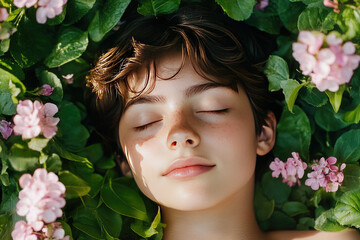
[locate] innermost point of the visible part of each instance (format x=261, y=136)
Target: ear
x=266, y=139
x=125, y=168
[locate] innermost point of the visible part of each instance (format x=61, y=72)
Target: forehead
x=169, y=67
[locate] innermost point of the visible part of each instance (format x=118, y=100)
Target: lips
x=189, y=167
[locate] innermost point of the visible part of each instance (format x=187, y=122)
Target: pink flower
x=69, y=78
x=291, y=171
x=3, y=14
x=41, y=198
x=23, y=231
x=49, y=9
x=46, y=90
x=27, y=121
x=261, y=5
x=333, y=4
x=5, y=129
x=328, y=67
x=35, y=118
x=326, y=174
x=24, y=3
x=48, y=121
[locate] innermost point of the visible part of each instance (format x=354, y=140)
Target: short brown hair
x=219, y=48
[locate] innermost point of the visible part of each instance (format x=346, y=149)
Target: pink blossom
x=41, y=198
x=326, y=174
x=3, y=14
x=69, y=78
x=48, y=121
x=24, y=3
x=46, y=90
x=49, y=9
x=23, y=231
x=27, y=120
x=35, y=118
x=5, y=129
x=291, y=171
x=333, y=4
x=261, y=5
x=328, y=67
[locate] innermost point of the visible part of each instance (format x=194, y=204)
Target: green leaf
x=71, y=44
x=57, y=19
x=293, y=134
x=86, y=221
x=50, y=78
x=327, y=222
x=347, y=210
x=7, y=106
x=289, y=14
x=336, y=97
x=291, y=90
x=305, y=223
x=76, y=9
x=156, y=7
x=145, y=229
x=351, y=177
x=276, y=70
x=106, y=18
x=95, y=181
x=92, y=152
x=237, y=9
x=4, y=46
x=353, y=116
x=266, y=22
x=123, y=200
x=328, y=120
x=13, y=72
x=38, y=44
x=111, y=221
x=348, y=20
x=22, y=158
x=55, y=147
x=38, y=144
x=292, y=208
x=264, y=208
x=347, y=146
x=275, y=189
x=75, y=186
x=314, y=97
x=53, y=163
x=312, y=18
x=280, y=221
x=74, y=134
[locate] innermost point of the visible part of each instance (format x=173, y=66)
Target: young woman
x=184, y=97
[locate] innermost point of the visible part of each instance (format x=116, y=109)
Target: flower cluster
x=261, y=5
x=291, y=171
x=326, y=175
x=45, y=8
x=40, y=201
x=5, y=129
x=329, y=66
x=33, y=118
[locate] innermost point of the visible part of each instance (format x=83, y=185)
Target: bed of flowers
x=59, y=182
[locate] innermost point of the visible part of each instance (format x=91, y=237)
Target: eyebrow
x=189, y=92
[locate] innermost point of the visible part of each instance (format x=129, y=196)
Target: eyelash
x=220, y=111
x=145, y=126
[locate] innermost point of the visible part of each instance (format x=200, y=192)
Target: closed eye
x=218, y=111
x=145, y=126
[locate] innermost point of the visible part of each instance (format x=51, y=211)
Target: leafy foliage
x=103, y=204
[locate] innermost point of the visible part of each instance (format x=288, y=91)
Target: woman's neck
x=234, y=219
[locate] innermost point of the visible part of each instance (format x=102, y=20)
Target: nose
x=182, y=133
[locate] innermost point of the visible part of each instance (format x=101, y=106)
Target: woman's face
x=190, y=144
